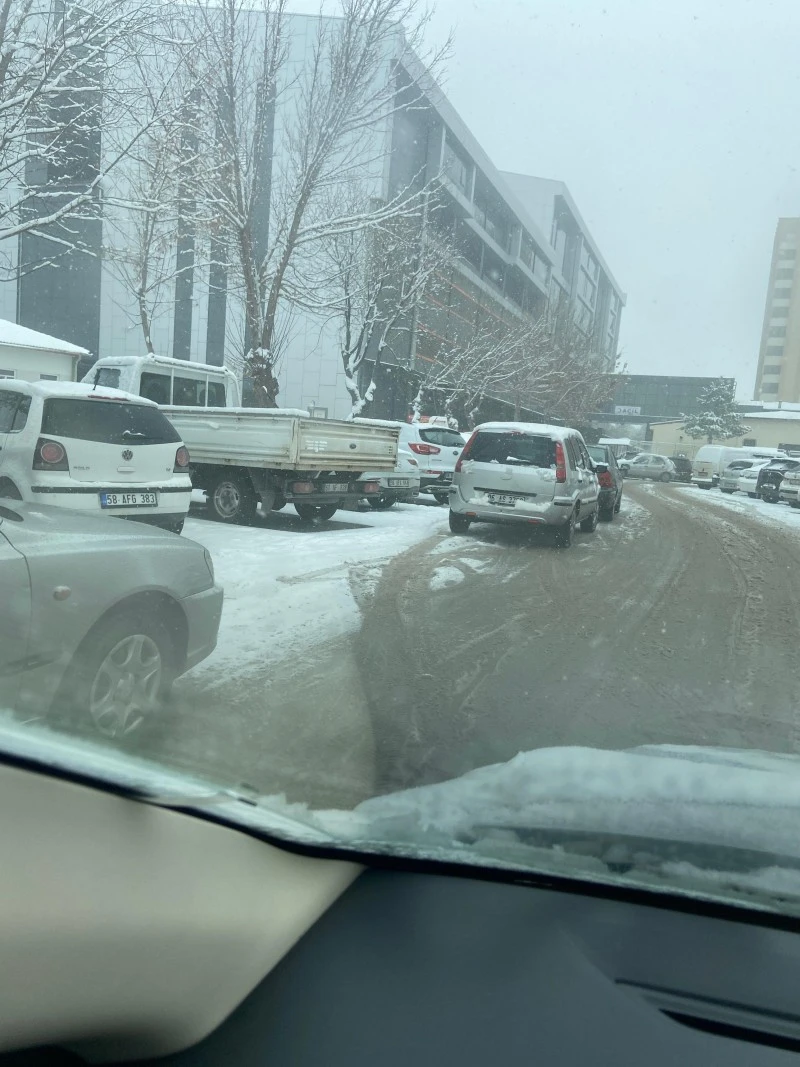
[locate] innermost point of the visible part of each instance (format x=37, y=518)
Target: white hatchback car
x=397, y=486
x=95, y=450
x=436, y=449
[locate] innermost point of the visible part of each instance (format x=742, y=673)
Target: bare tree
x=376, y=280
x=60, y=83
x=274, y=216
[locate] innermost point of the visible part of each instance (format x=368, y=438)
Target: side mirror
x=601, y=468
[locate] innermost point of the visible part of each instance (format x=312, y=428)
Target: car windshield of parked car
x=395, y=403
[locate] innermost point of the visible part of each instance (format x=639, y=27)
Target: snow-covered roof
x=526, y=427
x=16, y=336
x=148, y=359
x=77, y=390
x=792, y=415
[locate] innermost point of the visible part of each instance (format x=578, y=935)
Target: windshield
x=394, y=300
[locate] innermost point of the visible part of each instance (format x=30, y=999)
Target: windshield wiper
x=133, y=433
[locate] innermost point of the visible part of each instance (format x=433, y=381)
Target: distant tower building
x=778, y=376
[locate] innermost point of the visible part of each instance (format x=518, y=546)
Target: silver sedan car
x=647, y=465
x=98, y=617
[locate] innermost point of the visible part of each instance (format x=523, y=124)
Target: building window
x=8, y=374
x=769, y=387
x=749, y=442
x=783, y=273
x=455, y=167
x=48, y=377
x=772, y=369
x=777, y=331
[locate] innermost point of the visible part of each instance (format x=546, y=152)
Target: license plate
x=128, y=500
x=501, y=498
x=335, y=487
x=398, y=483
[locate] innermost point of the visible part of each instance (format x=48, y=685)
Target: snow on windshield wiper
x=132, y=433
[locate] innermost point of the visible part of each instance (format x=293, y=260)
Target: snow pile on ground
x=289, y=587
x=775, y=514
x=445, y=576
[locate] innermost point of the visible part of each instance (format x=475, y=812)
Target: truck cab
x=168, y=382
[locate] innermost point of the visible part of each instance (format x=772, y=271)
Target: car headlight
x=209, y=563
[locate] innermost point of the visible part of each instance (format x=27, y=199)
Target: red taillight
x=370, y=487
x=50, y=456
x=303, y=487
x=181, y=460
x=466, y=451
x=605, y=480
x=424, y=450
x=561, y=463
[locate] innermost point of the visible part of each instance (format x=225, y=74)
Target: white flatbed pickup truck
x=241, y=456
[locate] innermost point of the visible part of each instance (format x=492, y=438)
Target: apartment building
x=778, y=374
x=523, y=246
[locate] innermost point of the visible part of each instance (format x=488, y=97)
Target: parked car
x=649, y=465
x=98, y=618
x=401, y=485
x=748, y=478
x=790, y=488
x=517, y=472
x=770, y=477
x=610, y=480
x=711, y=461
x=683, y=468
x=101, y=451
x=729, y=479
x=436, y=448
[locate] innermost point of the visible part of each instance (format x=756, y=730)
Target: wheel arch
x=170, y=615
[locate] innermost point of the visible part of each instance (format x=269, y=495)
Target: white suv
x=436, y=448
x=96, y=450
x=518, y=472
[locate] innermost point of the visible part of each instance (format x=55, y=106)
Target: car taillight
x=50, y=456
x=181, y=460
x=465, y=452
x=303, y=487
x=561, y=463
x=605, y=480
x=424, y=450
x=370, y=487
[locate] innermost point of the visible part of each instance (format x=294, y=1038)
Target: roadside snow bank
x=289, y=589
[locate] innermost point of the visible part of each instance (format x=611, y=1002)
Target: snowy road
x=381, y=651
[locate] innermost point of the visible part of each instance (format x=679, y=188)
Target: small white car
x=729, y=479
x=436, y=448
x=790, y=488
x=402, y=485
x=94, y=450
x=518, y=472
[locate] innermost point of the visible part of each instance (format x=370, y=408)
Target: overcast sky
x=675, y=126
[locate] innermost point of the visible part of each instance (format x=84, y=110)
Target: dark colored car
x=768, y=486
x=683, y=468
x=610, y=481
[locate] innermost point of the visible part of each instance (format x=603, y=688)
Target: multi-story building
x=521, y=240
x=647, y=397
x=778, y=375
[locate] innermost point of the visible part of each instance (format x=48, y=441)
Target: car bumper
x=173, y=500
x=203, y=612
x=790, y=495
x=551, y=513
x=702, y=482
x=440, y=483
x=409, y=491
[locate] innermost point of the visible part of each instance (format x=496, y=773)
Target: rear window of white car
x=110, y=422
x=525, y=450
x=440, y=436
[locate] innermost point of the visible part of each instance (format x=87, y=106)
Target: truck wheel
x=279, y=502
x=382, y=502
x=231, y=499
x=315, y=513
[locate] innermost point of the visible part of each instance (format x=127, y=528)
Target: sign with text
x=624, y=409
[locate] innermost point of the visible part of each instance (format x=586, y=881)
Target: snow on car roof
x=77, y=390
x=163, y=361
x=526, y=427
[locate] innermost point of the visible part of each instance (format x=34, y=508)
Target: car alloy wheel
x=126, y=685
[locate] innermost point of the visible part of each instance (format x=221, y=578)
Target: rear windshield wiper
x=133, y=433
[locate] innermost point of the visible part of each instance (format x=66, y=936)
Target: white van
x=711, y=461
